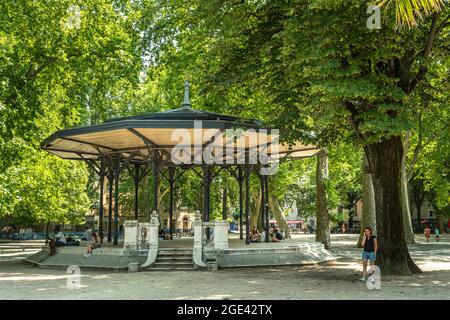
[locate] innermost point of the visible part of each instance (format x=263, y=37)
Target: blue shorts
x=368, y=256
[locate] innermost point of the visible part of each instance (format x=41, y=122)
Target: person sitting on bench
x=94, y=243
x=58, y=241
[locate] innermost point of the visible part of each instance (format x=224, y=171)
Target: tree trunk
x=368, y=202
x=47, y=229
x=322, y=215
x=385, y=159
x=419, y=218
x=161, y=195
x=418, y=204
x=439, y=223
x=278, y=214
x=256, y=210
x=406, y=210
x=417, y=190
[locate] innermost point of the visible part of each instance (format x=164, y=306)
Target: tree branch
x=419, y=148
x=425, y=53
x=352, y=119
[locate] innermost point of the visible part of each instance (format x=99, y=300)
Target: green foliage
x=44, y=188
x=56, y=75
x=309, y=68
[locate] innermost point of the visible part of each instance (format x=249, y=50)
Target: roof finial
x=186, y=102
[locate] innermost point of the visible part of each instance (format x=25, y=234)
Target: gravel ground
x=337, y=280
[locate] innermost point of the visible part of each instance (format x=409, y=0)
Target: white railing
x=197, y=253
x=153, y=240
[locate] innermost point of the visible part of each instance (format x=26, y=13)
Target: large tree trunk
x=278, y=214
x=368, y=202
x=322, y=215
x=385, y=159
x=406, y=210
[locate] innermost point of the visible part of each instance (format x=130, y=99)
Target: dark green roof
x=187, y=113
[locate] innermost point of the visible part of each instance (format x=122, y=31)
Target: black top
x=278, y=235
x=369, y=245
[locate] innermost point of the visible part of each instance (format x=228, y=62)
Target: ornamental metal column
x=263, y=202
x=224, y=203
x=247, y=199
x=266, y=197
x=100, y=209
x=241, y=205
x=110, y=203
x=206, y=180
x=136, y=190
x=155, y=171
x=116, y=199
x=171, y=183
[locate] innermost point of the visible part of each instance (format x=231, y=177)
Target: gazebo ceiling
x=135, y=137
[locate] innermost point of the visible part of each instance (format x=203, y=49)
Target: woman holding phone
x=370, y=247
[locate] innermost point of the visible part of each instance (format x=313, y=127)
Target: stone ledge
x=289, y=254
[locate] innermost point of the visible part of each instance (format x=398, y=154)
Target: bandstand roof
x=134, y=138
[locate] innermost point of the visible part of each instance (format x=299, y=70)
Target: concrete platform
x=272, y=254
x=103, y=258
x=108, y=257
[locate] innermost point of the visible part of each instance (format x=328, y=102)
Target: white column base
x=221, y=235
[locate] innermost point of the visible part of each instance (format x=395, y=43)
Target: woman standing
x=370, y=247
x=427, y=232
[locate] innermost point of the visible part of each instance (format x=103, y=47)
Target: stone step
x=172, y=269
x=171, y=254
x=174, y=264
x=172, y=258
x=178, y=250
x=3, y=251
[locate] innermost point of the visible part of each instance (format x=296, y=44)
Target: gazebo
x=166, y=144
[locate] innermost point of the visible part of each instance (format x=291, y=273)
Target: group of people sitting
x=275, y=235
x=60, y=240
